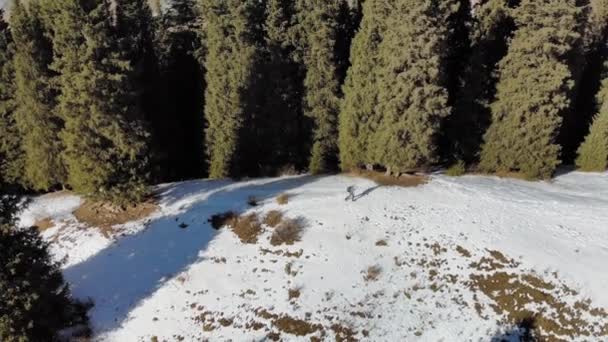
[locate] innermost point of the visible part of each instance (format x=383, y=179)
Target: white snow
x=158, y=278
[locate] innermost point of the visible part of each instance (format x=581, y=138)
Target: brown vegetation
x=381, y=178
x=44, y=224
x=288, y=233
x=372, y=273
x=283, y=199
x=273, y=218
x=104, y=216
x=247, y=228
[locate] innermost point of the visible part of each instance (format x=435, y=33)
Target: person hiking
x=351, y=193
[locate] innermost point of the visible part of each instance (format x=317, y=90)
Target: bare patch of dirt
x=283, y=199
x=273, y=218
x=372, y=273
x=247, y=228
x=344, y=333
x=44, y=224
x=520, y=296
x=382, y=243
x=381, y=178
x=287, y=233
x=105, y=216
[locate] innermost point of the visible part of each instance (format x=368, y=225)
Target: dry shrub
x=247, y=228
x=273, y=218
x=381, y=243
x=457, y=170
x=283, y=199
x=372, y=273
x=104, y=215
x=381, y=178
x=223, y=219
x=294, y=293
x=288, y=233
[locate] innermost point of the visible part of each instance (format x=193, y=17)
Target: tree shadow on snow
x=121, y=276
x=524, y=331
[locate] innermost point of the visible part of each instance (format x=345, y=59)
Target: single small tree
x=593, y=153
x=35, y=303
x=534, y=89
x=11, y=155
x=35, y=98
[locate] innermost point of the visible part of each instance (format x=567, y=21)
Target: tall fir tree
x=492, y=27
x=285, y=132
x=39, y=125
x=181, y=91
x=105, y=141
x=319, y=26
x=593, y=152
x=413, y=95
x=358, y=119
x=534, y=89
x=233, y=35
x=11, y=156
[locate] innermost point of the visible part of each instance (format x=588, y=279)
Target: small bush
x=287, y=233
x=372, y=273
x=273, y=218
x=252, y=201
x=247, y=228
x=457, y=169
x=221, y=220
x=283, y=199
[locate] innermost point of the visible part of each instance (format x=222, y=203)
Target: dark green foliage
x=38, y=123
x=11, y=160
x=34, y=299
x=534, y=89
x=358, y=119
x=105, y=140
x=178, y=122
x=491, y=28
x=232, y=34
x=593, y=153
x=318, y=23
x=413, y=93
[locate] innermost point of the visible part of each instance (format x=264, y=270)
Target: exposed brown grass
x=381, y=243
x=273, y=218
x=105, y=215
x=283, y=199
x=247, y=228
x=372, y=273
x=381, y=178
x=287, y=233
x=294, y=293
x=44, y=224
x=222, y=219
x=296, y=326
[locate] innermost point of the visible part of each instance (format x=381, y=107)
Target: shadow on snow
x=119, y=277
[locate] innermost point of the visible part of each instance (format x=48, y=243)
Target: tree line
x=104, y=97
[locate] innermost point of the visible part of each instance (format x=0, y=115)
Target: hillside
x=456, y=259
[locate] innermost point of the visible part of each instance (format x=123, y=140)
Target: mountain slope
x=455, y=259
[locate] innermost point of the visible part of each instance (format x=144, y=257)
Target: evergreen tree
x=534, y=89
x=34, y=299
x=491, y=28
x=11, y=161
x=593, y=153
x=105, y=142
x=358, y=118
x=320, y=27
x=413, y=93
x=35, y=98
x=181, y=92
x=232, y=36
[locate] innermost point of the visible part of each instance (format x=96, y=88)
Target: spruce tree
x=593, y=153
x=358, y=119
x=318, y=21
x=232, y=34
x=181, y=92
x=491, y=28
x=105, y=141
x=11, y=160
x=34, y=299
x=534, y=89
x=413, y=93
x=39, y=125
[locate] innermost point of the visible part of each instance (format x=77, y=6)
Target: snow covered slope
x=457, y=259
